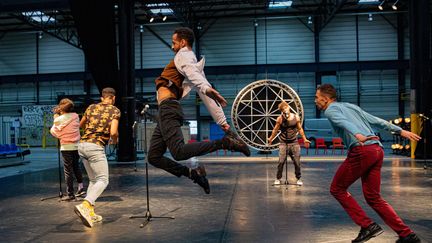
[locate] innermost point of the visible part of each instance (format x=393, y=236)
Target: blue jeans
x=96, y=165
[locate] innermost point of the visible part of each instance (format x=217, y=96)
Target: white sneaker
x=276, y=182
x=299, y=182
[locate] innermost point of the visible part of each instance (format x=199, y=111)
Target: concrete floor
x=243, y=205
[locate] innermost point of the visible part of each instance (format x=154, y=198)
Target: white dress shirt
x=193, y=71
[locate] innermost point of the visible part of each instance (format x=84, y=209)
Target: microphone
x=145, y=109
x=424, y=117
x=134, y=129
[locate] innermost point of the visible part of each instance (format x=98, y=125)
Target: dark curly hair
x=185, y=33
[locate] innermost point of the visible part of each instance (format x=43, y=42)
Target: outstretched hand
x=225, y=127
x=410, y=135
x=212, y=93
x=307, y=143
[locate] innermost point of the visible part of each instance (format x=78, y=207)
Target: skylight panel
x=280, y=4
x=368, y=1
x=162, y=8
x=38, y=16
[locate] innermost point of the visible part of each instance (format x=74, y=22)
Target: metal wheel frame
x=254, y=124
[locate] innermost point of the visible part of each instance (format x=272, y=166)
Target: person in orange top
x=179, y=77
x=66, y=128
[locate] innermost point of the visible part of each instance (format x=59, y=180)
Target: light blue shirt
x=348, y=119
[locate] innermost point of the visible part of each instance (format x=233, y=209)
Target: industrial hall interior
x=294, y=121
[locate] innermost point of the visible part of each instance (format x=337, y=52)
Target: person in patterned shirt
x=100, y=123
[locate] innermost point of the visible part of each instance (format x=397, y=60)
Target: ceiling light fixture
x=394, y=7
x=161, y=16
x=310, y=20
x=255, y=23
x=380, y=7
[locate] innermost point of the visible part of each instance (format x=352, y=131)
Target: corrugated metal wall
x=18, y=53
x=14, y=95
x=229, y=41
x=377, y=38
x=57, y=56
x=338, y=40
x=407, y=47
x=278, y=41
x=379, y=93
x=155, y=53
x=284, y=41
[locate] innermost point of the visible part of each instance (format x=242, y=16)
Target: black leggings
x=71, y=168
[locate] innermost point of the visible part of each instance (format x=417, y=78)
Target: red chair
x=302, y=145
x=337, y=143
x=192, y=141
x=320, y=143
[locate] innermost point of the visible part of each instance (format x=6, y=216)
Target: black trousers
x=168, y=134
x=71, y=168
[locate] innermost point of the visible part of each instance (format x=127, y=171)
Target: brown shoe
x=198, y=175
x=233, y=142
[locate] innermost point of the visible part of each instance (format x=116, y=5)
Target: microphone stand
x=59, y=174
x=147, y=216
x=134, y=131
x=286, y=172
x=426, y=121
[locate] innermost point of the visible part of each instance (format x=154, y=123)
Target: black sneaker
x=198, y=175
x=80, y=193
x=232, y=141
x=411, y=238
x=366, y=234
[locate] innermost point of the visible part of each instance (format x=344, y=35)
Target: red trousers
x=365, y=162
